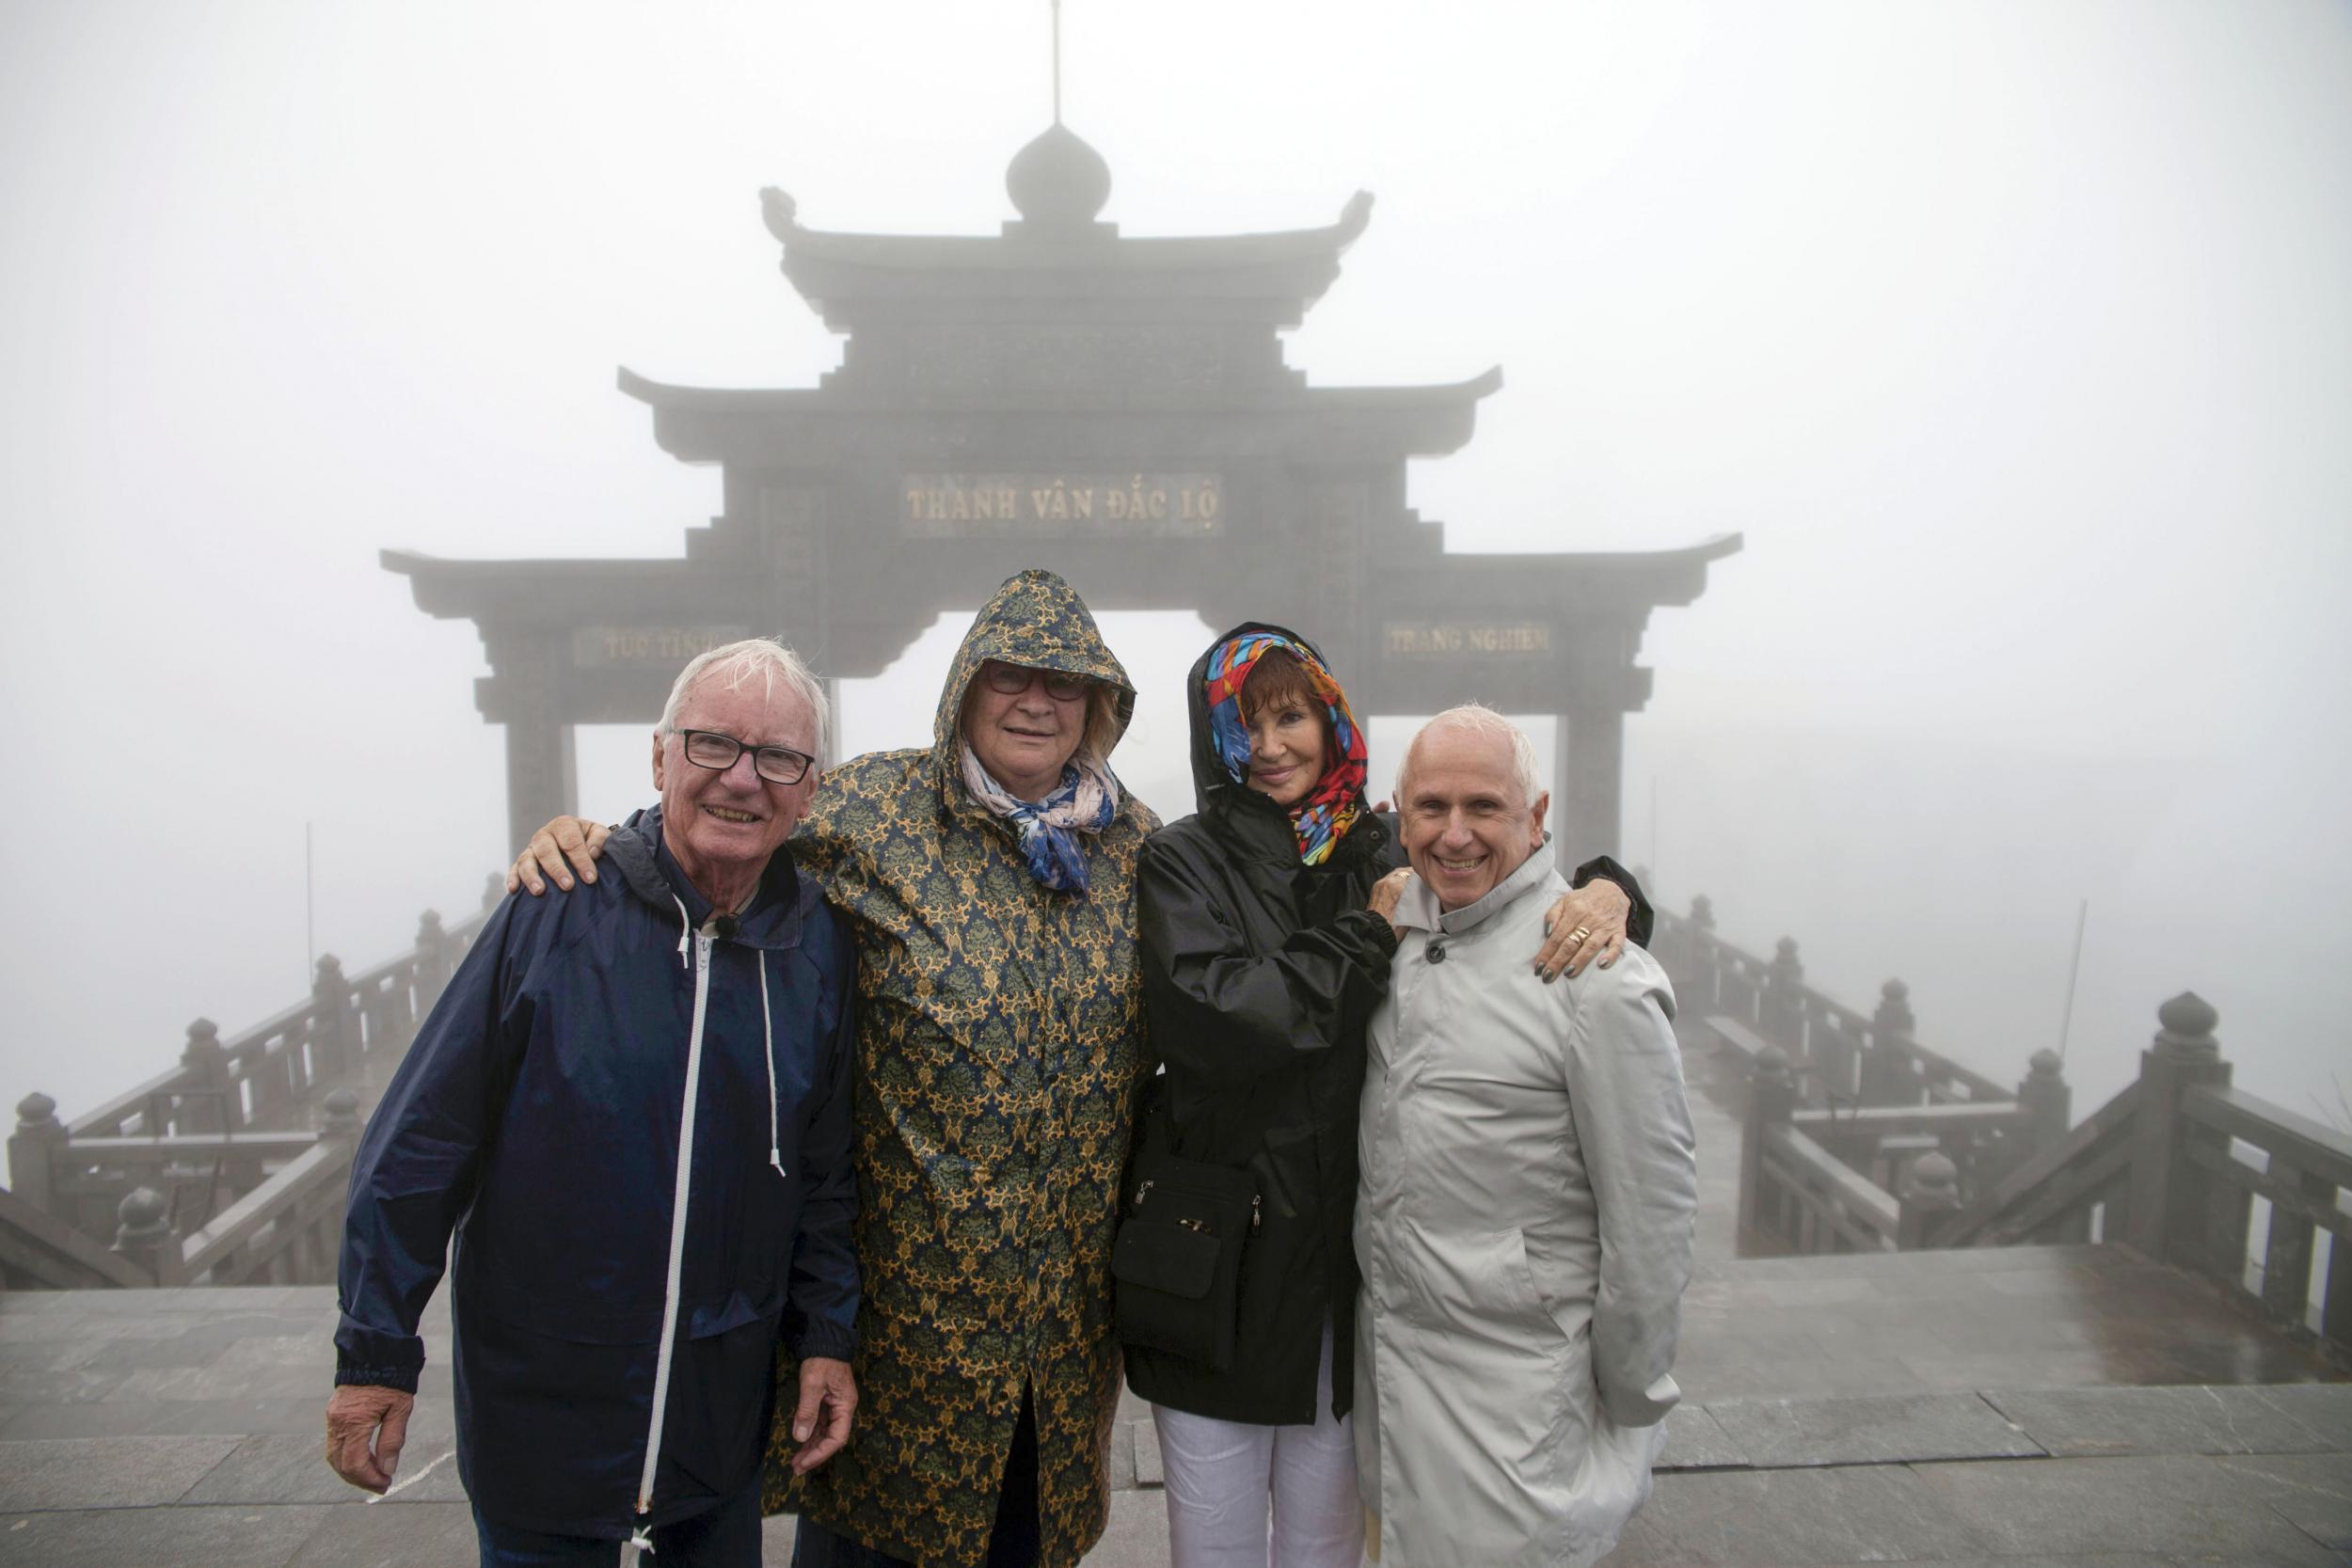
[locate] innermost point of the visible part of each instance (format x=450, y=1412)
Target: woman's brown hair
x=1278, y=678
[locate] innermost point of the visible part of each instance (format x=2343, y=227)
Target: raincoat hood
x=1037, y=620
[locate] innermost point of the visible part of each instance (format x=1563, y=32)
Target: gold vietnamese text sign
x=1521, y=639
x=604, y=647
x=1062, y=506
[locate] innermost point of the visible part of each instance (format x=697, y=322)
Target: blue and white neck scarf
x=1083, y=803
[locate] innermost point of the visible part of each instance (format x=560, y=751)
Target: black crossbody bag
x=1177, y=1258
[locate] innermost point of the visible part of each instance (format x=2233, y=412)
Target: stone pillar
x=335, y=1035
x=432, y=962
x=1889, y=1075
x=2044, y=1094
x=340, y=1114
x=143, y=1236
x=542, y=776
x=1929, y=1191
x=2172, y=1216
x=1781, y=1014
x=1771, y=1097
x=1587, y=781
x=33, y=1150
x=209, y=1103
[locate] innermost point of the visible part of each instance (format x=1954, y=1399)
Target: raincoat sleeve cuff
x=1638, y=918
x=1641, y=1407
x=375, y=1358
x=822, y=1338
x=401, y=1378
x=1375, y=926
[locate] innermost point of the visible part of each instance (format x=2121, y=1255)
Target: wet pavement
x=2031, y=1405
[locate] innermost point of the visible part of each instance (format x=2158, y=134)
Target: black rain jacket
x=1260, y=975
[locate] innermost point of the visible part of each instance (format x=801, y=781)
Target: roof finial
x=1058, y=62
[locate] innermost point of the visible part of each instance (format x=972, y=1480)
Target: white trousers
x=1224, y=1478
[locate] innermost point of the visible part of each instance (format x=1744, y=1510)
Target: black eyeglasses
x=776, y=763
x=1013, y=679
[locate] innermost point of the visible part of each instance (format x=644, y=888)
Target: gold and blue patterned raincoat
x=1000, y=1052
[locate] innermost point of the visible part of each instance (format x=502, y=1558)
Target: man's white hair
x=1479, y=719
x=765, y=659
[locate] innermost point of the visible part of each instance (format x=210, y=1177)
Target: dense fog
x=2013, y=338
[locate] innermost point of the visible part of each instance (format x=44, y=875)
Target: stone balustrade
x=229, y=1167
x=1863, y=1092
x=1856, y=1138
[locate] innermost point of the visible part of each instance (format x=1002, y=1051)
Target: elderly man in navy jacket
x=632, y=1108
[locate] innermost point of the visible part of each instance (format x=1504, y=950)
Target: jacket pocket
x=1176, y=1261
x=1561, y=1275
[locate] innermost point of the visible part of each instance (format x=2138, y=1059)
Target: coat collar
x=649, y=871
x=1418, y=909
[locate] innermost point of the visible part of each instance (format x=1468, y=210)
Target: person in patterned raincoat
x=988, y=884
x=1000, y=1051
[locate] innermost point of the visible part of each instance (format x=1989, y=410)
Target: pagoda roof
x=1093, y=247
x=1057, y=249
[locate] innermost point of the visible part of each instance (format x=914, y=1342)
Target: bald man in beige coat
x=1525, y=1217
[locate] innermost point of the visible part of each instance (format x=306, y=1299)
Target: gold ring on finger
x=1579, y=933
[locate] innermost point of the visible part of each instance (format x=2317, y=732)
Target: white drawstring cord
x=685, y=930
x=640, y=1542
x=768, y=1035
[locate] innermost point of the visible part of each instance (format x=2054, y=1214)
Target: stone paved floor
x=2029, y=1407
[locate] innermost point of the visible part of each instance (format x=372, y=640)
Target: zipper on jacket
x=642, y=1540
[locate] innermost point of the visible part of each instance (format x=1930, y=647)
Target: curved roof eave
x=1018, y=249
x=817, y=399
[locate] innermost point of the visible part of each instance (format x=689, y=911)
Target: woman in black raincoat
x=1262, y=965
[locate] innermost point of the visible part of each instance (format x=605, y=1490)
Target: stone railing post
x=35, y=1149
x=2175, y=1214
x=1781, y=1010
x=1699, y=958
x=1771, y=1097
x=143, y=1236
x=1889, y=1077
x=342, y=1115
x=209, y=1103
x=334, y=1043
x=433, y=964
x=1931, y=1190
x=2047, y=1097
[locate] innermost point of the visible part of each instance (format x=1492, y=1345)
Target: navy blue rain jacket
x=538, y=1116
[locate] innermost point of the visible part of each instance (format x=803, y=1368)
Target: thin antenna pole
x=2066, y=1024
x=310, y=910
x=1058, y=62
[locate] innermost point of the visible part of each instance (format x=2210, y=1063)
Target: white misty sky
x=2014, y=337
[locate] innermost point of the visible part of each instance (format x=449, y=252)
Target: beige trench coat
x=1524, y=1228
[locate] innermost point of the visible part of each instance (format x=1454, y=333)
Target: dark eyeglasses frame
x=792, y=767
x=1010, y=680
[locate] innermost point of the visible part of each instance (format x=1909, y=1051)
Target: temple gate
x=1115, y=408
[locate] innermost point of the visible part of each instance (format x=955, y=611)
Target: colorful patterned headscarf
x=1323, y=819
